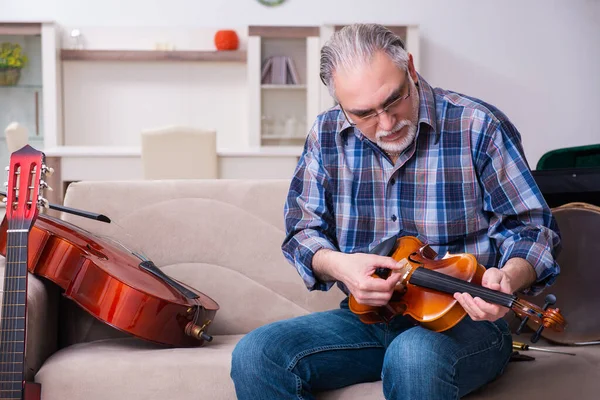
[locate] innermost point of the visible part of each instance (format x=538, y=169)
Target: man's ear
x=411, y=69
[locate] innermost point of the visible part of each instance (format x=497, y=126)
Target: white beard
x=402, y=143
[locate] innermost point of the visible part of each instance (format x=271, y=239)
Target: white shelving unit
x=35, y=102
x=281, y=114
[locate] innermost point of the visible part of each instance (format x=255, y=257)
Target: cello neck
x=434, y=280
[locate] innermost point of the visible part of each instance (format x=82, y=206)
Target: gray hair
x=356, y=44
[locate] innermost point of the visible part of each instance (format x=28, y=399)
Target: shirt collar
x=427, y=113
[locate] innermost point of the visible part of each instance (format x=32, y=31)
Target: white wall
x=537, y=60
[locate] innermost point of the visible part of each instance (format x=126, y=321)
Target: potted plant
x=12, y=60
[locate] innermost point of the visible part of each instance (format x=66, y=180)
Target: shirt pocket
x=457, y=216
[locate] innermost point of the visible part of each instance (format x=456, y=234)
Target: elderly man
x=398, y=157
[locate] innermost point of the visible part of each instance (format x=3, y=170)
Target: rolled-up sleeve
x=309, y=220
x=521, y=222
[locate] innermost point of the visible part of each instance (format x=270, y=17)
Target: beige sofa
x=222, y=237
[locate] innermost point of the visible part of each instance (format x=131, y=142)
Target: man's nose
x=386, y=121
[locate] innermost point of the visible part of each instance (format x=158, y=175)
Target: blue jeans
x=298, y=357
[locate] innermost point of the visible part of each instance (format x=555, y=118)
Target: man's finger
x=399, y=265
x=491, y=309
x=491, y=275
x=466, y=301
x=381, y=285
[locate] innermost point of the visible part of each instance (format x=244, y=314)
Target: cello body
x=116, y=286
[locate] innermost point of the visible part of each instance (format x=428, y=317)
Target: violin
x=117, y=286
x=428, y=286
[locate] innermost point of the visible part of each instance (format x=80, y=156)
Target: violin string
x=495, y=296
x=471, y=288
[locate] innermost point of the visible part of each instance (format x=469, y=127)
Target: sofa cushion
x=41, y=319
x=133, y=369
x=227, y=249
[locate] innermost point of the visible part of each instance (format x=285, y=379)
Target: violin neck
x=434, y=280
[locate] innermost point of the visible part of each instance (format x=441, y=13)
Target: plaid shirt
x=463, y=186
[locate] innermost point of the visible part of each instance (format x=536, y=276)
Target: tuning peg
x=42, y=202
x=47, y=170
x=7, y=169
x=44, y=185
x=4, y=200
x=550, y=300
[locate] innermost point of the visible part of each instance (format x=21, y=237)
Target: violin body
x=428, y=287
x=434, y=310
x=116, y=286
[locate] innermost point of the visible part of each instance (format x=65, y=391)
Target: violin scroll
x=544, y=317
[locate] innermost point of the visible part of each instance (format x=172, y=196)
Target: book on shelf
x=279, y=70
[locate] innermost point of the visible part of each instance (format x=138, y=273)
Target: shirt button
x=392, y=181
x=394, y=218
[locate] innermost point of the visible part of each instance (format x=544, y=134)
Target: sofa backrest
x=222, y=237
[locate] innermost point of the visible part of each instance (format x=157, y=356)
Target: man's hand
x=365, y=288
x=480, y=310
x=356, y=270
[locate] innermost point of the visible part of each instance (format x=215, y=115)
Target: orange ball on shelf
x=226, y=40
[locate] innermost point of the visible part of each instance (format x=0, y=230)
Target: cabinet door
x=22, y=103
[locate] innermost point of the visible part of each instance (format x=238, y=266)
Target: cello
x=428, y=285
x=117, y=286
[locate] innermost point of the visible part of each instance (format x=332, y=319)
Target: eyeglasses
x=372, y=119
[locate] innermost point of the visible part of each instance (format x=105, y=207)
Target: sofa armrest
x=41, y=328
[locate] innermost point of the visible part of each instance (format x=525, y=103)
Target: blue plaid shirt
x=463, y=186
